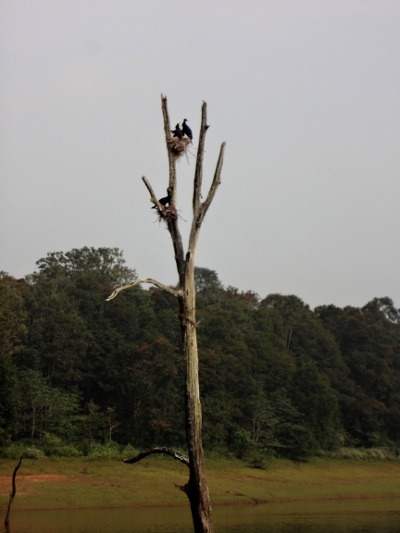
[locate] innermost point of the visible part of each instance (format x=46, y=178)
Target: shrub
x=12, y=451
x=257, y=460
x=19, y=449
x=129, y=451
x=365, y=454
x=105, y=451
x=54, y=446
x=31, y=452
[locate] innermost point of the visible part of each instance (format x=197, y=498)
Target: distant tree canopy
x=276, y=377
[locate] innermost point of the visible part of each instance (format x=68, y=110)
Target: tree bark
x=196, y=488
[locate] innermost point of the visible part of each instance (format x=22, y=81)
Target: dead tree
x=196, y=488
x=13, y=493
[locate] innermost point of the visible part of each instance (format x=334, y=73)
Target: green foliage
x=16, y=450
x=32, y=452
x=257, y=460
x=313, y=396
x=129, y=451
x=53, y=445
x=46, y=409
x=365, y=454
x=110, y=451
x=82, y=375
x=369, y=342
x=206, y=280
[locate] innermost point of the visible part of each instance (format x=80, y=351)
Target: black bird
x=177, y=132
x=164, y=201
x=186, y=130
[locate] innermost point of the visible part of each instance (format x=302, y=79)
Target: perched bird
x=177, y=132
x=166, y=200
x=186, y=130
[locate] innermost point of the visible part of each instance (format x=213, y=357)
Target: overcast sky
x=305, y=93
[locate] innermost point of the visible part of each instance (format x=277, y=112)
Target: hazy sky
x=306, y=94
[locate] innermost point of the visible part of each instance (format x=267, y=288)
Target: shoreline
x=223, y=504
x=79, y=484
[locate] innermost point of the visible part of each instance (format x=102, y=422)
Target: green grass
x=76, y=482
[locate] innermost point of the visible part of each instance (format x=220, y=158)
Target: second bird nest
x=169, y=214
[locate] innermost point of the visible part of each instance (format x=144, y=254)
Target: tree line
x=276, y=377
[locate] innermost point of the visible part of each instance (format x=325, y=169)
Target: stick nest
x=169, y=214
x=177, y=146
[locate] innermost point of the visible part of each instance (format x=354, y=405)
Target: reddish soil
x=24, y=481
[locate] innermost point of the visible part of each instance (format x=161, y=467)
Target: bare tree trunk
x=196, y=488
x=12, y=495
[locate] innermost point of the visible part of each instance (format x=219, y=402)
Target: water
x=381, y=516
x=365, y=516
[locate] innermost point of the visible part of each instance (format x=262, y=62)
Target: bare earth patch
x=25, y=482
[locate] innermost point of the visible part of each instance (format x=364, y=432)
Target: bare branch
x=183, y=488
x=173, y=224
x=202, y=208
x=147, y=280
x=216, y=181
x=171, y=158
x=198, y=176
x=164, y=107
x=153, y=197
x=173, y=229
x=165, y=451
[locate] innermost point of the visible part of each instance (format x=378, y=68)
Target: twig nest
x=177, y=146
x=169, y=214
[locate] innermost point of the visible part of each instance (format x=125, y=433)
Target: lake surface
x=365, y=516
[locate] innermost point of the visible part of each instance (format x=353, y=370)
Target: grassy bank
x=68, y=483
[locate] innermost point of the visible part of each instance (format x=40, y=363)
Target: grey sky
x=305, y=93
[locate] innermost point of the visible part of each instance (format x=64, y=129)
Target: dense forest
x=276, y=377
